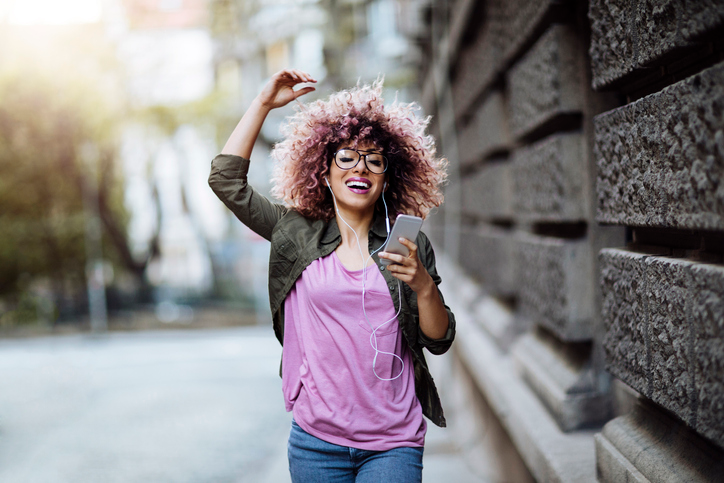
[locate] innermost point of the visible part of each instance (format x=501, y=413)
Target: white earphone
x=373, y=335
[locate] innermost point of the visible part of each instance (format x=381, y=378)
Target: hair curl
x=313, y=133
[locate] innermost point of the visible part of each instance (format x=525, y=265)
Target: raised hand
x=279, y=91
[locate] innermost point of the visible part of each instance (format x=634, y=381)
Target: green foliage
x=57, y=142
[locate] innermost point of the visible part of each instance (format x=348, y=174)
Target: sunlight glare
x=54, y=12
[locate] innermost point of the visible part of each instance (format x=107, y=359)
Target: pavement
x=157, y=406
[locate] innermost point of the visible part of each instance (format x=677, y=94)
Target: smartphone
x=406, y=226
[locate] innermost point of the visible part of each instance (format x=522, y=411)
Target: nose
x=361, y=165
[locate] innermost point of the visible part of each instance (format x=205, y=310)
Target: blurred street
x=155, y=406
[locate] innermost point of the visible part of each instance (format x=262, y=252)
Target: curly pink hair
x=314, y=132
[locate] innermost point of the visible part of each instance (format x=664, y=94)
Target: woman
x=352, y=330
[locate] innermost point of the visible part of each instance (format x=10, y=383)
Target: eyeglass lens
x=348, y=159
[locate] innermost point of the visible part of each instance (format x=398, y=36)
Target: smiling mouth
x=358, y=185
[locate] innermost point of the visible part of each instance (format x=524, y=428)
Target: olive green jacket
x=297, y=241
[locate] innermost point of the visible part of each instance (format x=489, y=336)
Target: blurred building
x=166, y=48
x=584, y=234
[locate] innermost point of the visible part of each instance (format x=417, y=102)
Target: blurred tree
x=45, y=127
x=62, y=109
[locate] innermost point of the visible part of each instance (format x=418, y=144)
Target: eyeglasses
x=349, y=158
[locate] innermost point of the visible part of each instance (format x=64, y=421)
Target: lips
x=358, y=185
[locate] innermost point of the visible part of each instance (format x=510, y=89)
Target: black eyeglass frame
x=387, y=161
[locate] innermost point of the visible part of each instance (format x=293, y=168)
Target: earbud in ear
x=327, y=179
x=384, y=186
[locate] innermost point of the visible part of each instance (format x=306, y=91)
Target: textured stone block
x=648, y=445
x=655, y=24
x=519, y=21
x=477, y=66
x=661, y=159
x=627, y=35
x=626, y=337
x=555, y=285
x=486, y=133
x=707, y=348
x=550, y=180
x=700, y=17
x=509, y=24
x=488, y=194
x=487, y=255
x=671, y=383
x=664, y=333
x=546, y=82
x=612, y=44
x=562, y=377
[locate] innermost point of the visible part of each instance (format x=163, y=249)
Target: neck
x=359, y=222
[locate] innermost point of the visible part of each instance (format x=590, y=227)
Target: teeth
x=358, y=184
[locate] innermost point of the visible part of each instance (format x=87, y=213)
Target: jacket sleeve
x=228, y=179
x=435, y=346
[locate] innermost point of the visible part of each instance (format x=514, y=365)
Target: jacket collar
x=332, y=234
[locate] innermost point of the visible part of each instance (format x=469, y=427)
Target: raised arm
x=278, y=92
x=228, y=177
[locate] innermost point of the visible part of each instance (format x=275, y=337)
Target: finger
x=393, y=257
x=293, y=74
x=410, y=246
x=303, y=76
x=284, y=75
x=403, y=271
x=304, y=90
x=403, y=277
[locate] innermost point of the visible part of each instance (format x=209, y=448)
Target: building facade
x=583, y=234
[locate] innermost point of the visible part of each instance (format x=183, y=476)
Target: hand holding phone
x=406, y=226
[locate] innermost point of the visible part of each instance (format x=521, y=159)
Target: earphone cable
x=373, y=335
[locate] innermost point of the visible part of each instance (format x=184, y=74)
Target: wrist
x=428, y=288
x=259, y=105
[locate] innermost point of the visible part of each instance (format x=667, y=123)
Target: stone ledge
x=547, y=82
x=647, y=445
x=499, y=321
x=550, y=454
x=664, y=323
x=550, y=180
x=563, y=379
x=661, y=159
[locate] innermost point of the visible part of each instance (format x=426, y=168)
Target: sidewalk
x=156, y=406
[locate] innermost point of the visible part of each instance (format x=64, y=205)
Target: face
x=357, y=189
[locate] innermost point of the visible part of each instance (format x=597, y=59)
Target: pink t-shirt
x=327, y=376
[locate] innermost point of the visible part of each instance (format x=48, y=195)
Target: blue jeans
x=312, y=460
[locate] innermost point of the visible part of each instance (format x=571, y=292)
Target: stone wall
x=586, y=215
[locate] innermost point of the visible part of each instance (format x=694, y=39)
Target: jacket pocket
x=282, y=256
